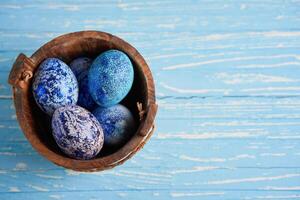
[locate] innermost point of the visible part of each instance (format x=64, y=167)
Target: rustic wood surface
x=227, y=77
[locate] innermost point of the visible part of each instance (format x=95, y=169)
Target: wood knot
x=141, y=111
x=26, y=75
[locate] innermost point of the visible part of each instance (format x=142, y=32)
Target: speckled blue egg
x=54, y=85
x=85, y=99
x=110, y=77
x=77, y=132
x=117, y=122
x=80, y=65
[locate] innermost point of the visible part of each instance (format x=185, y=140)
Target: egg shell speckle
x=77, y=132
x=110, y=77
x=85, y=99
x=80, y=65
x=54, y=85
x=117, y=122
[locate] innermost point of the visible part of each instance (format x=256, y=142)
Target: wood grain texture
x=227, y=84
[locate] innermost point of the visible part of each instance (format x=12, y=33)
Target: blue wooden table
x=227, y=76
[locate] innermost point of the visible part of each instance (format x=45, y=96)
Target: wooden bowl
x=36, y=125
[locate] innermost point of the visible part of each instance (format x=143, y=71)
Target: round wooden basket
x=36, y=125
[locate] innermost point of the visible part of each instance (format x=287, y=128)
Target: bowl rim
x=21, y=89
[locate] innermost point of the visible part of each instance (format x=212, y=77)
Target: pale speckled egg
x=118, y=124
x=54, y=85
x=85, y=99
x=110, y=77
x=77, y=132
x=80, y=65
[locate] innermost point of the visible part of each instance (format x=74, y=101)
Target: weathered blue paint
x=227, y=82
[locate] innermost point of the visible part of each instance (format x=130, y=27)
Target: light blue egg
x=110, y=77
x=80, y=65
x=77, y=132
x=118, y=124
x=54, y=85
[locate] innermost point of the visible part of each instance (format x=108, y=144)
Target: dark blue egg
x=110, y=77
x=117, y=122
x=77, y=132
x=85, y=99
x=80, y=65
x=54, y=85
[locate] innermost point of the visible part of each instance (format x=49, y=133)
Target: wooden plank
x=229, y=153
x=227, y=81
x=208, y=118
x=154, y=194
x=269, y=71
x=200, y=178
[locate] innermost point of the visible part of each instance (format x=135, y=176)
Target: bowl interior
x=67, y=51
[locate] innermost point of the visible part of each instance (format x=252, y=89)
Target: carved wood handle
x=21, y=72
x=148, y=120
